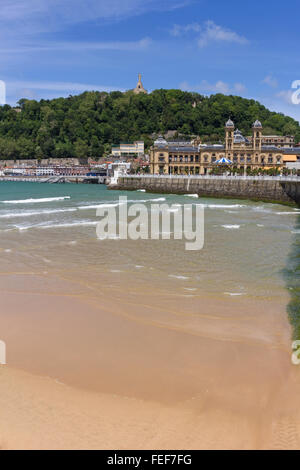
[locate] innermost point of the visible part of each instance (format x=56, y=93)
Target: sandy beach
x=140, y=374
x=141, y=344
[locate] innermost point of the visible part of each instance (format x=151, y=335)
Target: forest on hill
x=87, y=124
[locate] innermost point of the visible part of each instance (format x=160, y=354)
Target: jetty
x=58, y=179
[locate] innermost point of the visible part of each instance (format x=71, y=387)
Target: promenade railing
x=282, y=178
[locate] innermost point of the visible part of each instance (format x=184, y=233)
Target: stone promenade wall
x=265, y=190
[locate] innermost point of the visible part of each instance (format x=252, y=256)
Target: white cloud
x=78, y=46
x=285, y=95
x=209, y=33
x=240, y=88
x=271, y=81
x=178, y=30
x=218, y=87
x=32, y=86
x=215, y=33
x=50, y=15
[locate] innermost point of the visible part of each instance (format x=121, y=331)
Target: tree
x=88, y=124
x=81, y=149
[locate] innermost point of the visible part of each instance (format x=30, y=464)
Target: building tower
x=229, y=136
x=257, y=136
x=139, y=87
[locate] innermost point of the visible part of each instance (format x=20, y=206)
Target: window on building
x=197, y=158
x=192, y=159
x=270, y=159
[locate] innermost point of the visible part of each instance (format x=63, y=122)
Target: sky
x=52, y=48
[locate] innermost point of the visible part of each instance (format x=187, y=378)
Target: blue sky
x=52, y=48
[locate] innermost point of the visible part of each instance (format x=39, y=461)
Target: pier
x=277, y=189
x=57, y=179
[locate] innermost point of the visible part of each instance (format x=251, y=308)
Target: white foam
x=141, y=190
x=97, y=206
x=286, y=213
x=192, y=195
x=12, y=215
x=81, y=223
x=32, y=201
x=234, y=294
x=182, y=278
x=224, y=206
x=231, y=227
x=159, y=199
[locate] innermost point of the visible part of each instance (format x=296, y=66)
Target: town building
x=129, y=150
x=277, y=141
x=238, y=152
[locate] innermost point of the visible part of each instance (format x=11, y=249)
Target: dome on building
x=160, y=142
x=229, y=123
x=239, y=138
x=257, y=124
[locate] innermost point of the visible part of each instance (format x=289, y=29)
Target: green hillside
x=86, y=125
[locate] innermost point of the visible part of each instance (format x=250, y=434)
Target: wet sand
x=141, y=368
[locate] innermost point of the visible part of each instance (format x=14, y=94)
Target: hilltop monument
x=139, y=87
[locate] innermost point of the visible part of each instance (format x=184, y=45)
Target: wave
x=182, y=278
x=159, y=199
x=231, y=227
x=234, y=294
x=224, y=206
x=12, y=215
x=81, y=223
x=192, y=195
x=97, y=206
x=32, y=201
x=286, y=213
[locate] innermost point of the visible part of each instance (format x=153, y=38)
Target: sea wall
x=273, y=190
